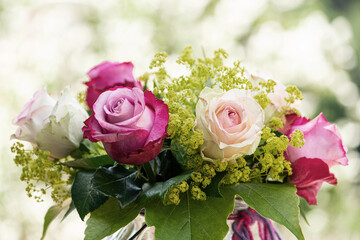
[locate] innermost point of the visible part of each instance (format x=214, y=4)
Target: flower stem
x=149, y=172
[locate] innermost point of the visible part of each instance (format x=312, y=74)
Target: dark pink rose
x=108, y=75
x=308, y=176
x=323, y=149
x=130, y=123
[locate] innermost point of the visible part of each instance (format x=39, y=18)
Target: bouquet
x=178, y=150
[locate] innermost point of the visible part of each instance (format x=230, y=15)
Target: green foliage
x=168, y=165
x=213, y=189
x=191, y=219
x=70, y=210
x=159, y=189
x=179, y=154
x=277, y=202
x=108, y=218
x=118, y=182
x=85, y=148
x=304, y=209
x=91, y=162
x=50, y=215
x=85, y=198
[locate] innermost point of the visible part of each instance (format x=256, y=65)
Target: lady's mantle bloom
x=311, y=163
x=130, y=123
x=109, y=75
x=231, y=122
x=54, y=126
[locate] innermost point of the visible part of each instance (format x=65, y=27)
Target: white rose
x=33, y=116
x=277, y=98
x=60, y=129
x=231, y=122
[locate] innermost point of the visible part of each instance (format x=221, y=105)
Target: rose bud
x=130, y=123
x=109, y=75
x=277, y=98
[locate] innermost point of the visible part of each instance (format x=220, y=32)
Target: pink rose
x=130, y=123
x=323, y=149
x=108, y=75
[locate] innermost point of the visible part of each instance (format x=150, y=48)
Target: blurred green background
x=312, y=44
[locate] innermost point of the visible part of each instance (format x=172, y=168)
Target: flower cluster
x=216, y=127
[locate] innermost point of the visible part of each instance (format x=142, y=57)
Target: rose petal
x=101, y=116
x=308, y=175
x=320, y=142
x=124, y=110
x=108, y=75
x=161, y=117
x=149, y=152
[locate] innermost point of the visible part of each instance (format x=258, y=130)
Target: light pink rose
x=130, y=123
x=323, y=149
x=109, y=75
x=231, y=122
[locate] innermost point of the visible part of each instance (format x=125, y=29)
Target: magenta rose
x=131, y=124
x=323, y=149
x=108, y=75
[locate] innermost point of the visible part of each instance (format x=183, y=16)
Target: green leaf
x=169, y=167
x=159, y=189
x=70, y=209
x=91, y=162
x=108, y=218
x=179, y=153
x=84, y=197
x=304, y=209
x=278, y=202
x=85, y=147
x=213, y=190
x=191, y=219
x=118, y=182
x=50, y=215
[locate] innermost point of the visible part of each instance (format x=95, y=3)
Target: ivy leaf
x=84, y=197
x=159, y=189
x=213, y=190
x=179, y=153
x=278, y=202
x=108, y=218
x=50, y=215
x=191, y=219
x=118, y=182
x=91, y=162
x=169, y=167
